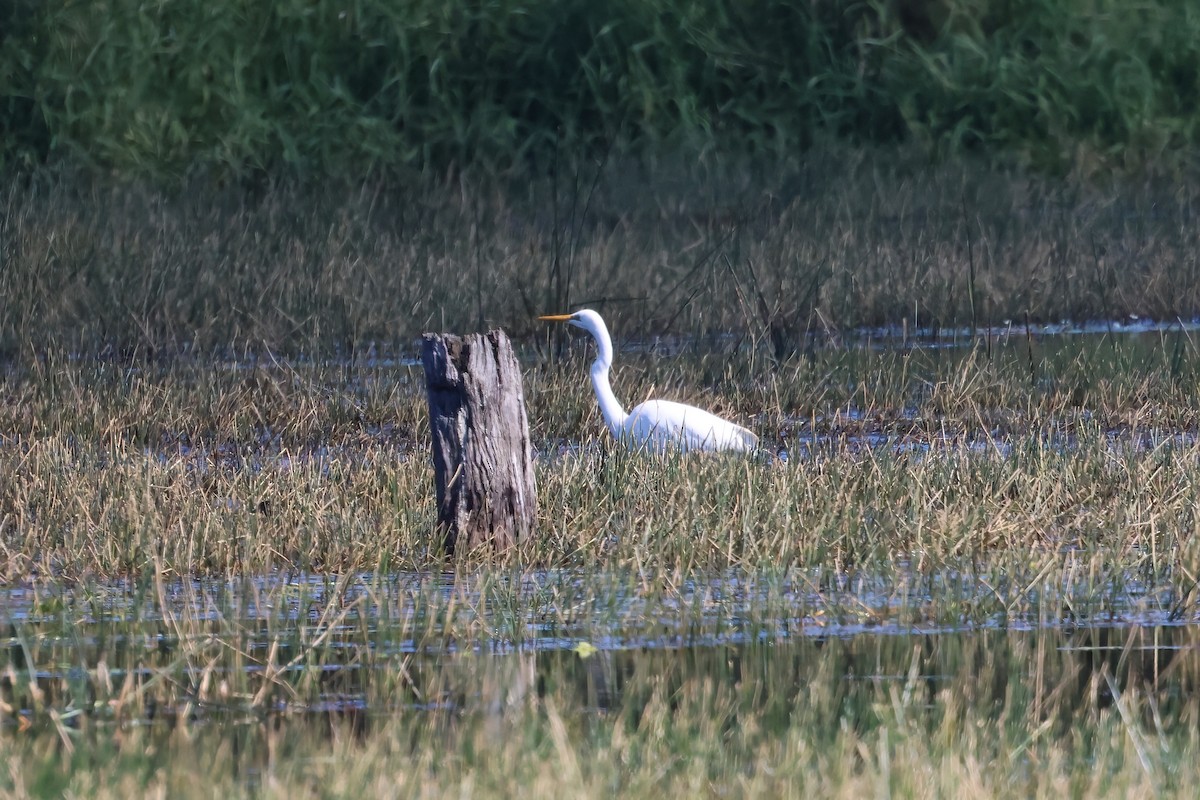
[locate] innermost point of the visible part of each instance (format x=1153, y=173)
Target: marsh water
x=360, y=649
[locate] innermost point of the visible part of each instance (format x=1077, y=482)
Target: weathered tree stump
x=482, y=463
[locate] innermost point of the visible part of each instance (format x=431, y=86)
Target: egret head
x=593, y=323
x=585, y=318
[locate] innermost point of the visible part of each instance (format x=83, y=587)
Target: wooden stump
x=482, y=463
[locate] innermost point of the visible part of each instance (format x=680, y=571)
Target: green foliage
x=319, y=85
x=1057, y=81
x=325, y=86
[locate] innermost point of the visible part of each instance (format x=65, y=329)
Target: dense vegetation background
x=316, y=86
x=304, y=174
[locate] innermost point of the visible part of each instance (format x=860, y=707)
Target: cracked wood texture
x=482, y=462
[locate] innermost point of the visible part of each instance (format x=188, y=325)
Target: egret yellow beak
x=556, y=317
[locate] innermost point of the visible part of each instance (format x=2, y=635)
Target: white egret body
x=656, y=425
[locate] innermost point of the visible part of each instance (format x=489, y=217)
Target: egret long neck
x=610, y=407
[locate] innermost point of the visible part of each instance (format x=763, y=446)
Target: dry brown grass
x=834, y=242
x=234, y=469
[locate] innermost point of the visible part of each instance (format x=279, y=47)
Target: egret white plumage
x=656, y=425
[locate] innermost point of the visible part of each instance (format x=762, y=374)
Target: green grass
x=335, y=88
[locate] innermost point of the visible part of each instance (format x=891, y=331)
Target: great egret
x=656, y=425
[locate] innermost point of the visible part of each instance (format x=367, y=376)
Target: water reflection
x=1055, y=677
x=274, y=666
x=295, y=661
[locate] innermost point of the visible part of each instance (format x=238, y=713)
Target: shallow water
x=567, y=606
x=827, y=681
x=348, y=629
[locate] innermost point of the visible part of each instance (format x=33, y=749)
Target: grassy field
x=222, y=580
x=780, y=259
x=266, y=466
x=963, y=565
